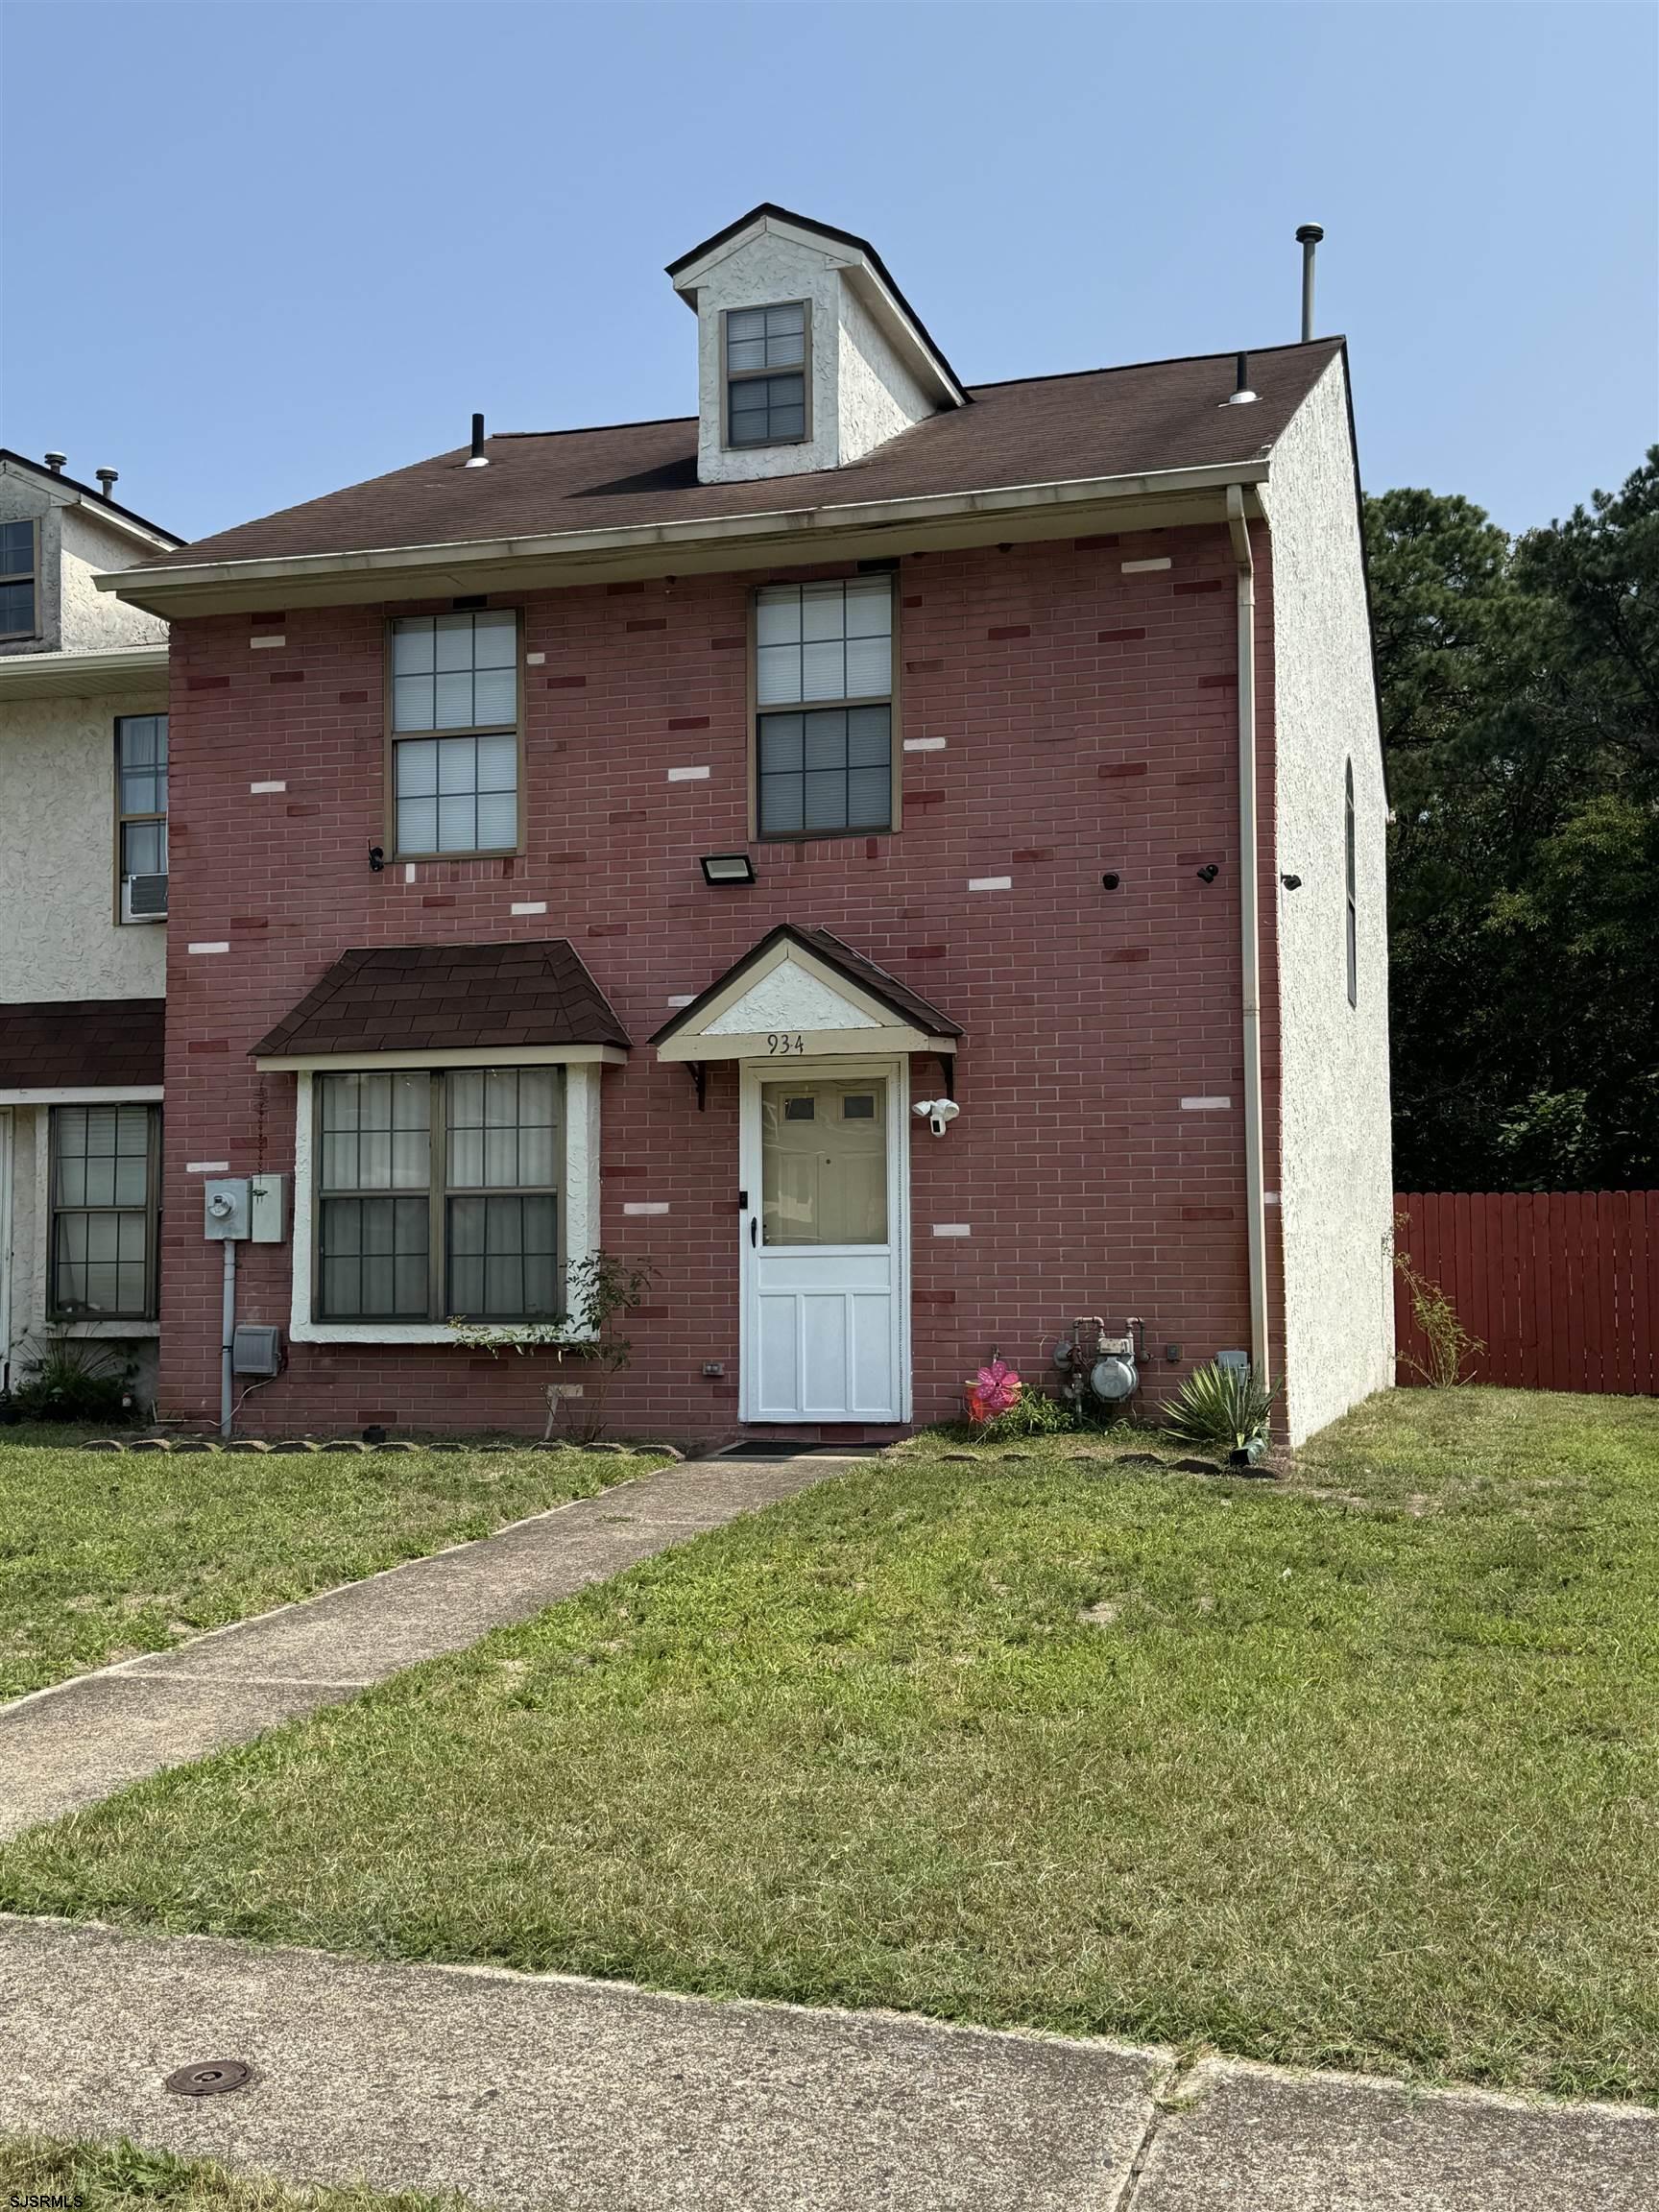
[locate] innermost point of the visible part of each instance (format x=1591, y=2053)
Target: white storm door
x=825, y=1248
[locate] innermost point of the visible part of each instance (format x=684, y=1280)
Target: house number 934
x=780, y=1041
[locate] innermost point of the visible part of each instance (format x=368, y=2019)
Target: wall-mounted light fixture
x=1292, y=882
x=1208, y=873
x=1110, y=881
x=728, y=868
x=377, y=858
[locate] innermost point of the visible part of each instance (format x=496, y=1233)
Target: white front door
x=824, y=1244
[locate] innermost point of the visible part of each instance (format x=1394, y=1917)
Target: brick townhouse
x=614, y=839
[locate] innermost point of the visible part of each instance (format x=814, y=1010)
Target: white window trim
x=39, y=1320
x=581, y=1078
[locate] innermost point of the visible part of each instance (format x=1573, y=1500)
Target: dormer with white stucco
x=808, y=355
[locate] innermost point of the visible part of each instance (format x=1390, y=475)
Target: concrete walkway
x=548, y=2094
x=68, y=1746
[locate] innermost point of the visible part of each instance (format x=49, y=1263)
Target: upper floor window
x=1353, y=903
x=822, y=769
x=455, y=733
x=141, y=815
x=17, y=612
x=765, y=375
x=440, y=1193
x=106, y=1170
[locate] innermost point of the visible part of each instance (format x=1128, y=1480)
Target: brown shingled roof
x=447, y=997
x=909, y=1005
x=80, y=1044
x=1155, y=416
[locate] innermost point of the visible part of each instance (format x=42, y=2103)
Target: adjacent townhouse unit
x=82, y=922
x=903, y=859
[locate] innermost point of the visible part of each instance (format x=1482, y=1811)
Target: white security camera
x=937, y=1113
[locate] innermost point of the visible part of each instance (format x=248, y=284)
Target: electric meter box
x=268, y=1209
x=225, y=1207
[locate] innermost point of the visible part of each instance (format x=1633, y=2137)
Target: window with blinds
x=455, y=733
x=766, y=359
x=106, y=1184
x=439, y=1194
x=824, y=701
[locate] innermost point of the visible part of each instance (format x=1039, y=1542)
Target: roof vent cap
x=1241, y=395
x=55, y=462
x=108, y=478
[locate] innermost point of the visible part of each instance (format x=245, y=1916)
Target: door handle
x=754, y=1229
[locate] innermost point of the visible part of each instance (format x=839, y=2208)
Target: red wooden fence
x=1562, y=1287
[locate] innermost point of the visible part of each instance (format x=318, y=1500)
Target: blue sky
x=256, y=251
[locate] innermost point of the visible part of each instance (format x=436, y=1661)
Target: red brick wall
x=1090, y=724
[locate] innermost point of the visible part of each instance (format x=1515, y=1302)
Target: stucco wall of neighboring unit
x=1336, y=1165
x=73, y=544
x=59, y=936
x=92, y=619
x=861, y=393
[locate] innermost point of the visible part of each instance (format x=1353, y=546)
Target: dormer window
x=765, y=375
x=18, y=610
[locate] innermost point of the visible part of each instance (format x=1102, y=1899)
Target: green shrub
x=1223, y=1408
x=1033, y=1413
x=68, y=1378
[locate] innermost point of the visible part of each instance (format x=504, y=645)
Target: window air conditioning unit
x=144, y=899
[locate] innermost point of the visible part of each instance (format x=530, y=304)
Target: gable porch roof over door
x=809, y=985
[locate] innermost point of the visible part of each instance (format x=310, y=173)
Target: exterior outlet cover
x=1234, y=1362
x=256, y=1349
x=225, y=1208
x=268, y=1209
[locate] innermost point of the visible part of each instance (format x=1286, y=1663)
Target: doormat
x=790, y=1451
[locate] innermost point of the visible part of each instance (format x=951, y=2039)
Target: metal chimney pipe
x=1307, y=238
x=480, y=459
x=55, y=462
x=108, y=478
x=1241, y=395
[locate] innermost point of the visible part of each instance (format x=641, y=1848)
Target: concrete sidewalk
x=549, y=2094
x=68, y=1746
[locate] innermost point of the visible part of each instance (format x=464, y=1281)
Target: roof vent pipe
x=1241, y=394
x=55, y=462
x=1307, y=238
x=480, y=459
x=108, y=478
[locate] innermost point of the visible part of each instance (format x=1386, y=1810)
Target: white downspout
x=1250, y=931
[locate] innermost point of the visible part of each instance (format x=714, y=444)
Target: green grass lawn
x=122, y=2177
x=1358, y=1768
x=105, y=1554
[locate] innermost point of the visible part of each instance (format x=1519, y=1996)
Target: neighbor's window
x=141, y=814
x=18, y=580
x=766, y=374
x=456, y=732
x=106, y=1185
x=824, y=768
x=440, y=1194
x=1353, y=903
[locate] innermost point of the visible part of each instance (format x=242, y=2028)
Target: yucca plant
x=1223, y=1408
